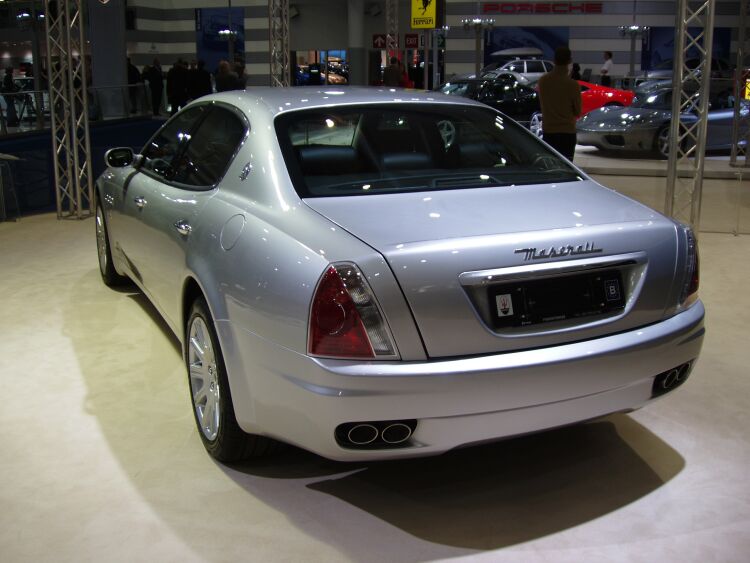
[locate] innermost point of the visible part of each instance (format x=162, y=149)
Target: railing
x=31, y=111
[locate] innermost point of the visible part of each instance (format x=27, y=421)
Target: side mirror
x=119, y=157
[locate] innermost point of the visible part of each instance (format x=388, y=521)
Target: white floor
x=101, y=461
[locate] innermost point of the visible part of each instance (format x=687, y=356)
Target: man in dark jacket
x=560, y=98
x=155, y=78
x=177, y=86
x=199, y=81
x=226, y=78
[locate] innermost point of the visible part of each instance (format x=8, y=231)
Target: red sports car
x=593, y=96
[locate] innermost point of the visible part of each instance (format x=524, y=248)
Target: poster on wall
x=212, y=39
x=546, y=39
x=657, y=48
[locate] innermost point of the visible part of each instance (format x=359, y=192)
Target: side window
x=548, y=66
x=211, y=149
x=534, y=66
x=161, y=150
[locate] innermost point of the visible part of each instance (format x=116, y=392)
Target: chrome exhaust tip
x=375, y=434
x=362, y=434
x=671, y=379
x=396, y=433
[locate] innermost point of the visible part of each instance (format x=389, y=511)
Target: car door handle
x=183, y=227
x=140, y=202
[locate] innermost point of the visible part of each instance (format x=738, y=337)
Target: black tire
x=226, y=442
x=110, y=277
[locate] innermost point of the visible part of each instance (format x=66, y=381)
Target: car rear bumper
x=301, y=400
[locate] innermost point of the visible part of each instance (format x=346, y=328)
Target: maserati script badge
x=557, y=251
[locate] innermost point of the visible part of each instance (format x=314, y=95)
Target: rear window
x=366, y=150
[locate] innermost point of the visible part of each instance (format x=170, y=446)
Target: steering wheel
x=447, y=132
x=546, y=162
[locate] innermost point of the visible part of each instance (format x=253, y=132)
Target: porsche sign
x=510, y=8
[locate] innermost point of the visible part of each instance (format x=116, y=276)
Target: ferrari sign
x=423, y=14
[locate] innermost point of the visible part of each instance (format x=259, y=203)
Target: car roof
x=275, y=101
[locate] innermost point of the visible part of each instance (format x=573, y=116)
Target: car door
x=177, y=197
x=139, y=193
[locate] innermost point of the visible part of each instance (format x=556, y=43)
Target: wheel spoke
x=195, y=346
x=208, y=411
x=200, y=395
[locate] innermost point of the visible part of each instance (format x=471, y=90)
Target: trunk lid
x=450, y=249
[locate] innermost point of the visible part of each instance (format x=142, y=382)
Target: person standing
x=392, y=73
x=560, y=98
x=155, y=78
x=605, y=78
x=226, y=78
x=177, y=86
x=575, y=72
x=134, y=78
x=200, y=81
x=9, y=89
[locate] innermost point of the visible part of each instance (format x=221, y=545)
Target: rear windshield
x=365, y=150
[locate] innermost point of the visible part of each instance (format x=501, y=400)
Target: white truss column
x=391, y=27
x=691, y=86
x=278, y=24
x=69, y=108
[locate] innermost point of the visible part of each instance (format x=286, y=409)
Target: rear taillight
x=692, y=271
x=345, y=321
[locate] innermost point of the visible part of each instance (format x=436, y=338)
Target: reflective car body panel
x=249, y=238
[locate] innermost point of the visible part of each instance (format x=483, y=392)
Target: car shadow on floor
x=493, y=495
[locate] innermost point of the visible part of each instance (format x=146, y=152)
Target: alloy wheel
x=101, y=239
x=204, y=379
x=535, y=125
x=662, y=142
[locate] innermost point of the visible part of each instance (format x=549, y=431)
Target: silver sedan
x=376, y=274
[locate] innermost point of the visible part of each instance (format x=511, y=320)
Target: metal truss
x=391, y=27
x=687, y=139
x=66, y=66
x=741, y=125
x=278, y=25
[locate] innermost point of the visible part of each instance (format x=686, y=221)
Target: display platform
x=725, y=201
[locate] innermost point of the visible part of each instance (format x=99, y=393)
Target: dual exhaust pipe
x=671, y=379
x=375, y=435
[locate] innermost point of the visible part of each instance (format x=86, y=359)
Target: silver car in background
x=644, y=126
x=374, y=273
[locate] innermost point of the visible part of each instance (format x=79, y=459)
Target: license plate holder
x=540, y=301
